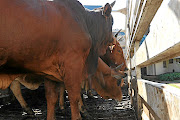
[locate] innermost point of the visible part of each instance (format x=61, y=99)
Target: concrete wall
x=160, y=69
x=175, y=66
x=151, y=70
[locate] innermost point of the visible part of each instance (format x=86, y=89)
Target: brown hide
x=34, y=41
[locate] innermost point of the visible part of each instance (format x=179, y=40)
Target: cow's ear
x=107, y=10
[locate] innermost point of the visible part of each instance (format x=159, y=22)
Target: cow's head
x=114, y=56
x=108, y=90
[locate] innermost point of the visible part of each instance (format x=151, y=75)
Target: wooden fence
x=152, y=100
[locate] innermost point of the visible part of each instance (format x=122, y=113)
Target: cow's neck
x=92, y=19
x=94, y=27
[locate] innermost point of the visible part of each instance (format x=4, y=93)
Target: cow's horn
x=117, y=33
x=120, y=39
x=117, y=76
x=112, y=4
x=119, y=66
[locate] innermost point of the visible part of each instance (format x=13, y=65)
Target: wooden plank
x=143, y=18
x=148, y=13
x=163, y=40
x=134, y=14
x=148, y=111
x=162, y=100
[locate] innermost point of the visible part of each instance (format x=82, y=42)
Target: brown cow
x=58, y=39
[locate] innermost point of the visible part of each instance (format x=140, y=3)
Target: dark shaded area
x=97, y=107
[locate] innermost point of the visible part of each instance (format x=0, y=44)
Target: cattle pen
x=159, y=20
x=152, y=37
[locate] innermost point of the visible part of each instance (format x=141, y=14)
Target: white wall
x=174, y=66
x=159, y=69
x=150, y=70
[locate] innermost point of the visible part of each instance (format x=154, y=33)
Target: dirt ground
x=97, y=107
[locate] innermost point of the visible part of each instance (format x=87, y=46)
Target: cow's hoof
x=29, y=111
x=63, y=111
x=90, y=95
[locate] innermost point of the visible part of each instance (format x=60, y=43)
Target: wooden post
x=138, y=76
x=130, y=79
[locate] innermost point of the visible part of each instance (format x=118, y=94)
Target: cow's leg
x=51, y=97
x=81, y=105
x=61, y=97
x=30, y=83
x=83, y=111
x=73, y=80
x=74, y=97
x=89, y=92
x=16, y=89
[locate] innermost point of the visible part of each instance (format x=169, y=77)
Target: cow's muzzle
x=126, y=69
